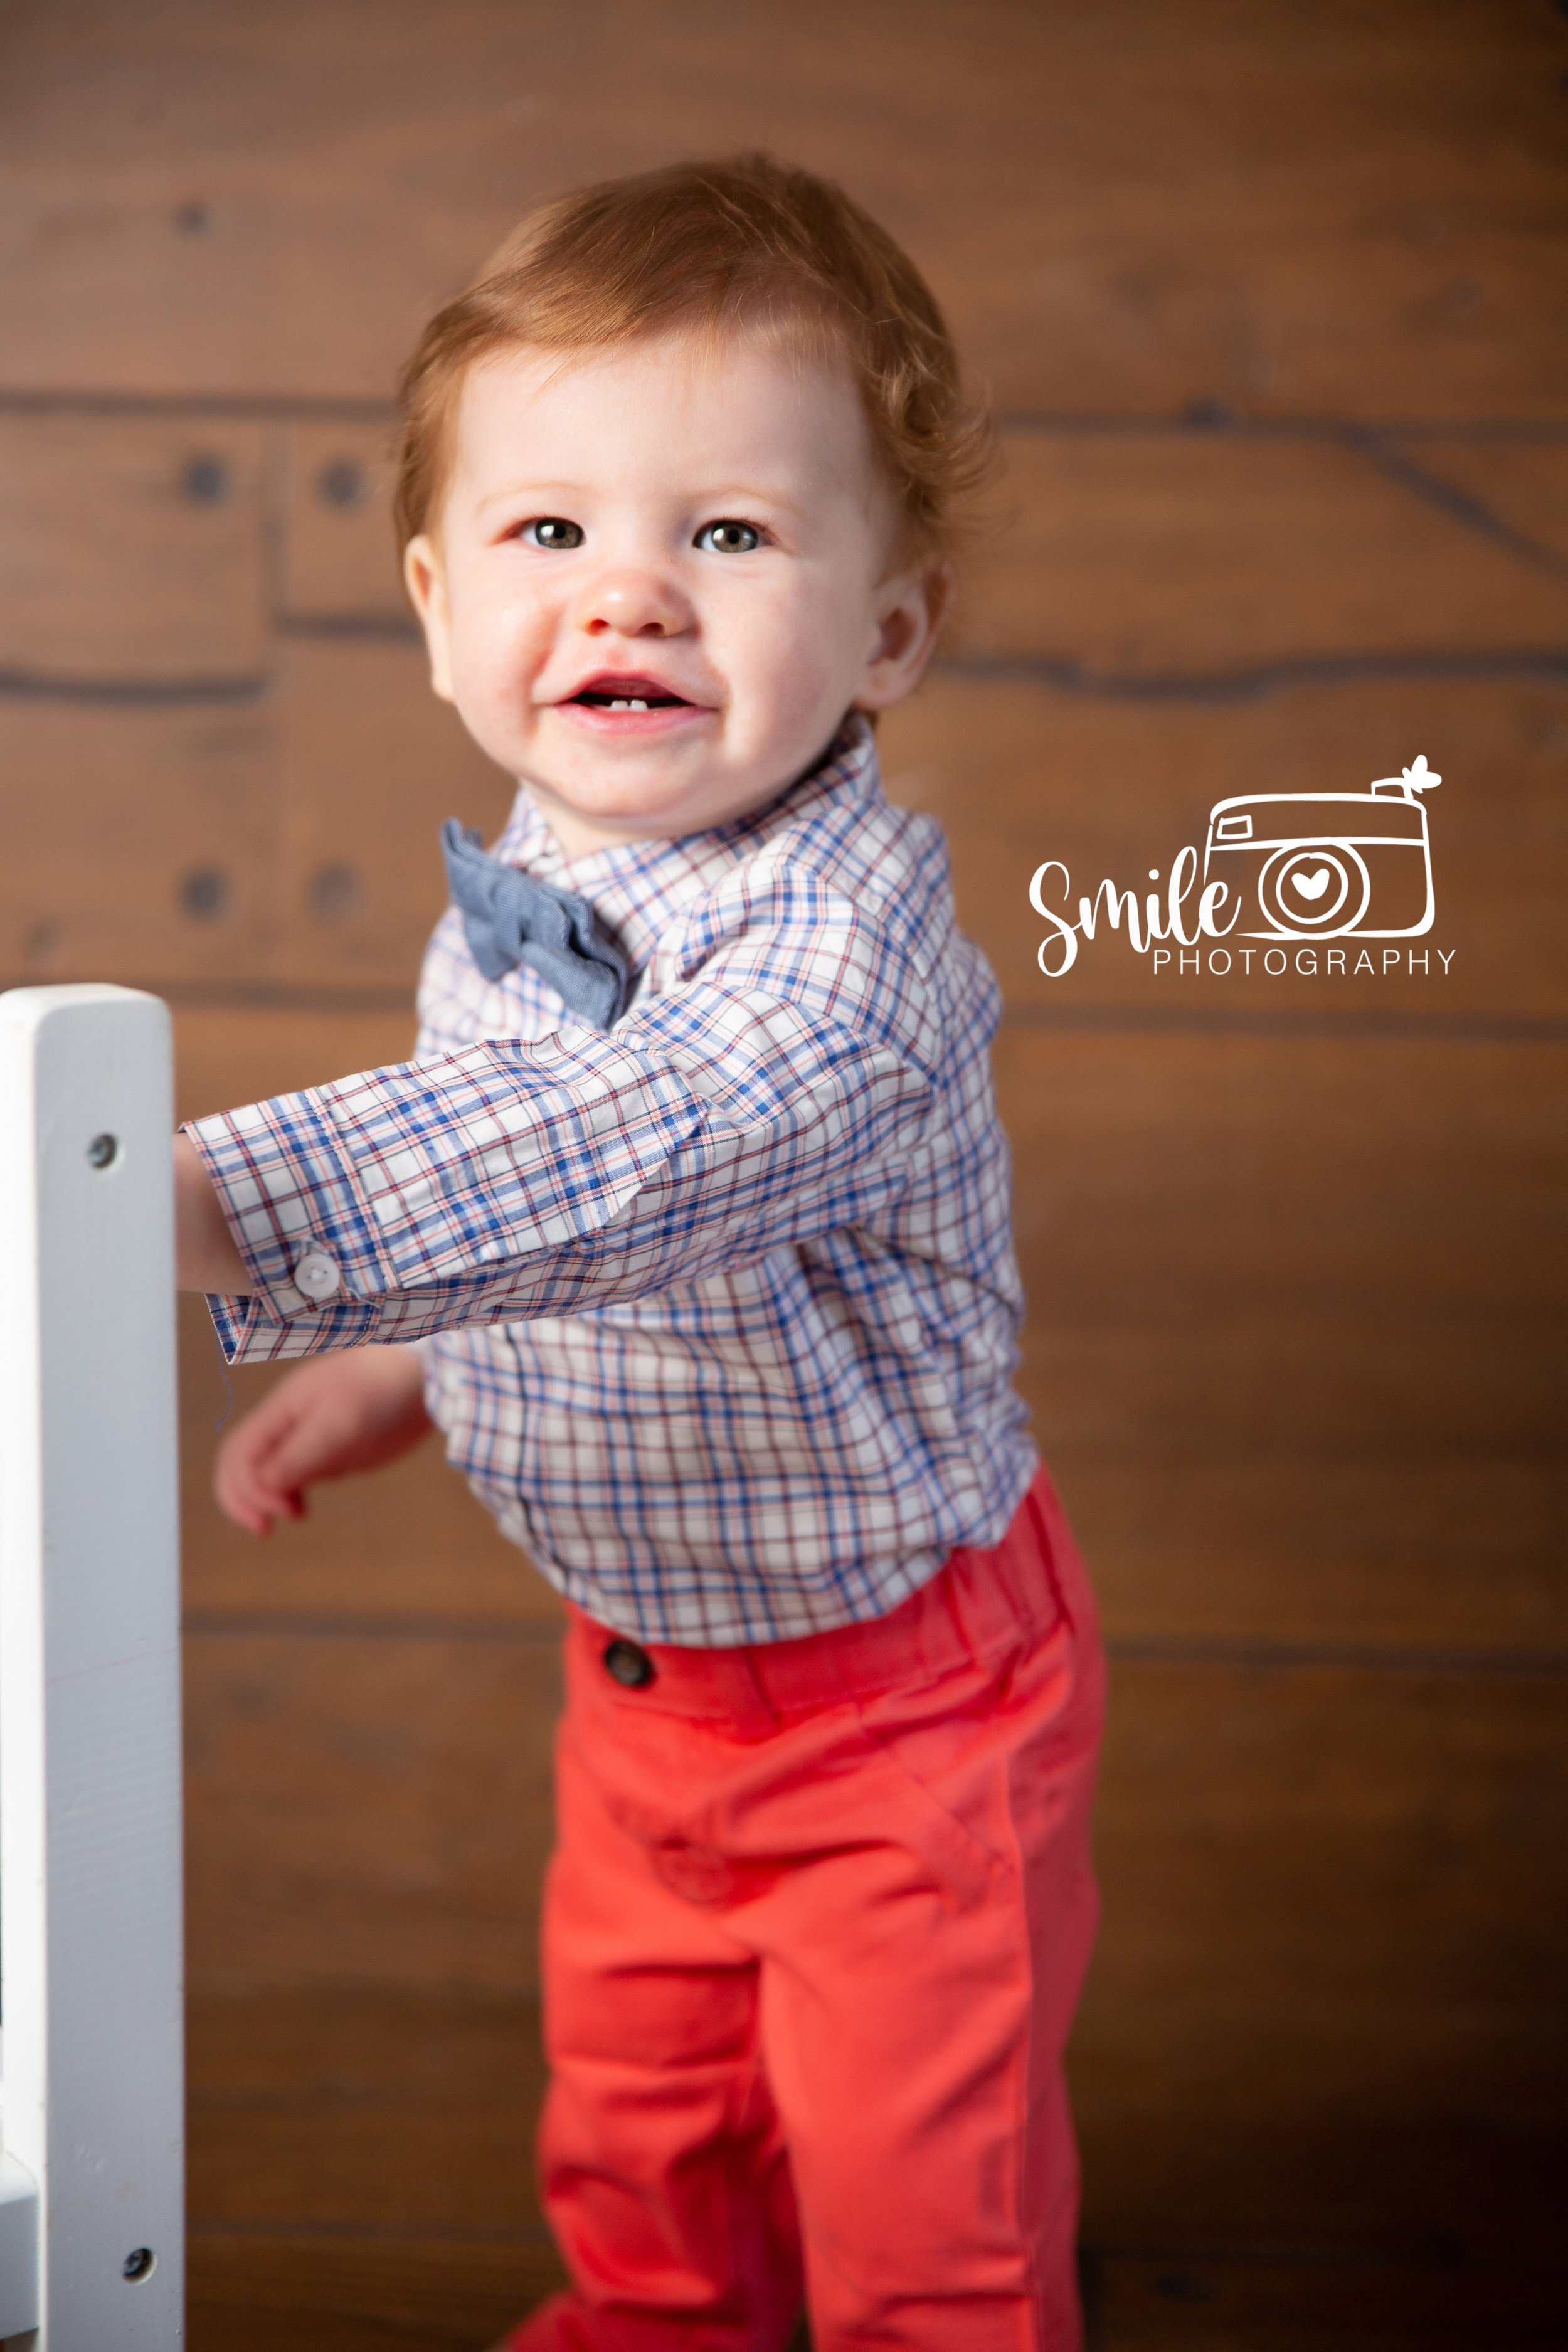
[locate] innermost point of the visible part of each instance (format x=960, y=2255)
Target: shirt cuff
x=276, y=1194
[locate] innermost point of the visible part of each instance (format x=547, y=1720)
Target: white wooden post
x=92, y=2232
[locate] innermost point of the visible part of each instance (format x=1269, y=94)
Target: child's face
x=661, y=579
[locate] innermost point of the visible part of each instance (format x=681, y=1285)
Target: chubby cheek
x=790, y=673
x=496, y=652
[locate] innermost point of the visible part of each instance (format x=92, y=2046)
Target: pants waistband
x=978, y=1607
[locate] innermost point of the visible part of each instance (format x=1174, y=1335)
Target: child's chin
x=655, y=802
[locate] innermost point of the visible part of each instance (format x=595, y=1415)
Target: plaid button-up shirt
x=721, y=1305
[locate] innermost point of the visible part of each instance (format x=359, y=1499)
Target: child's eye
x=553, y=532
x=728, y=538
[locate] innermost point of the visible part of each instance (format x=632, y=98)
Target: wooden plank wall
x=1271, y=298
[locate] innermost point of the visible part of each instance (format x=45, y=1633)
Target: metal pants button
x=629, y=1663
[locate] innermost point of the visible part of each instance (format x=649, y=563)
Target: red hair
x=714, y=249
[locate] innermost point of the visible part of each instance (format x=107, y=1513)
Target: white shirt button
x=317, y=1276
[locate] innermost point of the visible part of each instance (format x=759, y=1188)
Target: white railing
x=91, y=2192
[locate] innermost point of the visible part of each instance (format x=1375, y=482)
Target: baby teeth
x=630, y=703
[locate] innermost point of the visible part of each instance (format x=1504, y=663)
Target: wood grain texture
x=1324, y=2007
x=1114, y=786
x=341, y=2106
x=1134, y=211
x=132, y=549
x=1173, y=1176
x=369, y=1804
x=372, y=764
x=1273, y=2304
x=141, y=842
x=227, y=1054
x=340, y=558
x=1128, y=556
x=251, y=2291
x=1428, y=1551
x=1292, y=1307
x=1521, y=484
x=1306, y=1380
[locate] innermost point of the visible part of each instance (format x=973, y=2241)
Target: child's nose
x=634, y=603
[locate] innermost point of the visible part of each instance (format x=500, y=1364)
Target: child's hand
x=333, y=1415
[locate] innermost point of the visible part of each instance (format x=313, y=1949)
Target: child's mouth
x=594, y=700
x=629, y=705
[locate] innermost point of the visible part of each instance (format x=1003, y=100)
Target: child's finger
x=264, y=1425
x=310, y=1449
x=257, y=1509
x=239, y=1500
x=252, y=1442
x=249, y=1492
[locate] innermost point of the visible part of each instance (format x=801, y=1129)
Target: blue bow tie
x=511, y=918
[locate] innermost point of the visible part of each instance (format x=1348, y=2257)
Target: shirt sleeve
x=778, y=1090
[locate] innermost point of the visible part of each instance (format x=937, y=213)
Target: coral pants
x=814, y=1932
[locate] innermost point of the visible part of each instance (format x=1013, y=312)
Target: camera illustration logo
x=1325, y=866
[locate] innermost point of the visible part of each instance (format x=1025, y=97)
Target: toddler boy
x=688, y=1224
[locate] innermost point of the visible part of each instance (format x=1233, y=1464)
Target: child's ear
x=427, y=585
x=909, y=610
